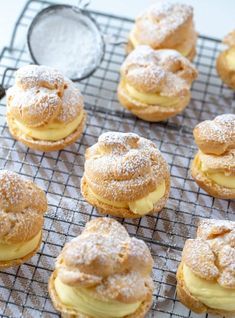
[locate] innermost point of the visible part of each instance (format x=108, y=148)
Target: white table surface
x=213, y=17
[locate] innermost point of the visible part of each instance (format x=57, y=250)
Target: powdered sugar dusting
x=72, y=102
x=11, y=189
x=162, y=20
x=39, y=76
x=22, y=205
x=219, y=132
x=212, y=254
x=112, y=255
x=124, y=167
x=42, y=95
x=158, y=71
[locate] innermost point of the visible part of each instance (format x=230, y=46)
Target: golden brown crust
x=190, y=56
x=22, y=206
x=42, y=145
x=109, y=262
x=216, y=136
x=225, y=71
x=123, y=167
x=70, y=313
x=104, y=208
x=163, y=72
x=210, y=256
x=193, y=303
x=42, y=96
x=207, y=184
x=165, y=25
x=19, y=261
x=153, y=113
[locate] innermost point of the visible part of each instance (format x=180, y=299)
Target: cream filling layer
x=209, y=293
x=230, y=56
x=141, y=206
x=135, y=43
x=152, y=99
x=52, y=131
x=227, y=181
x=82, y=300
x=9, y=252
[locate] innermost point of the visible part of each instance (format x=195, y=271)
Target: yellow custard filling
x=141, y=206
x=52, y=131
x=209, y=293
x=231, y=58
x=227, y=181
x=152, y=99
x=135, y=43
x=10, y=252
x=83, y=301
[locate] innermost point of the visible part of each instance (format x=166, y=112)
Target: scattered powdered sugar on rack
x=66, y=40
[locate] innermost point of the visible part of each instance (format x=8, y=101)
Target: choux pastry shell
x=44, y=109
x=165, y=25
x=225, y=63
x=125, y=176
x=103, y=263
x=205, y=276
x=213, y=167
x=155, y=85
x=22, y=206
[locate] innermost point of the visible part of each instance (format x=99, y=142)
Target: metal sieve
x=82, y=19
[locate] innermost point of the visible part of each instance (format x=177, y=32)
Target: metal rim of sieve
x=57, y=7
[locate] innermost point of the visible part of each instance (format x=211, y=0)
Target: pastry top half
x=211, y=255
x=216, y=141
x=42, y=96
x=107, y=261
x=163, y=72
x=165, y=25
x=124, y=167
x=216, y=136
x=22, y=206
x=214, y=165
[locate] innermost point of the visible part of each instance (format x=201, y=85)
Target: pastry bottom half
x=44, y=145
x=207, y=184
x=67, y=312
x=193, y=303
x=122, y=212
x=226, y=67
x=148, y=112
x=23, y=259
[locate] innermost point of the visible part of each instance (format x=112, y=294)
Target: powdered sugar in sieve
x=68, y=39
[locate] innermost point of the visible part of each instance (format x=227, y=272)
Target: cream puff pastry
x=165, y=25
x=44, y=109
x=22, y=206
x=206, y=274
x=103, y=273
x=225, y=63
x=125, y=176
x=213, y=167
x=155, y=85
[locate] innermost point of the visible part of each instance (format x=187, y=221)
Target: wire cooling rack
x=23, y=290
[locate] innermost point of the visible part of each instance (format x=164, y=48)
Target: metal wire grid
x=23, y=290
